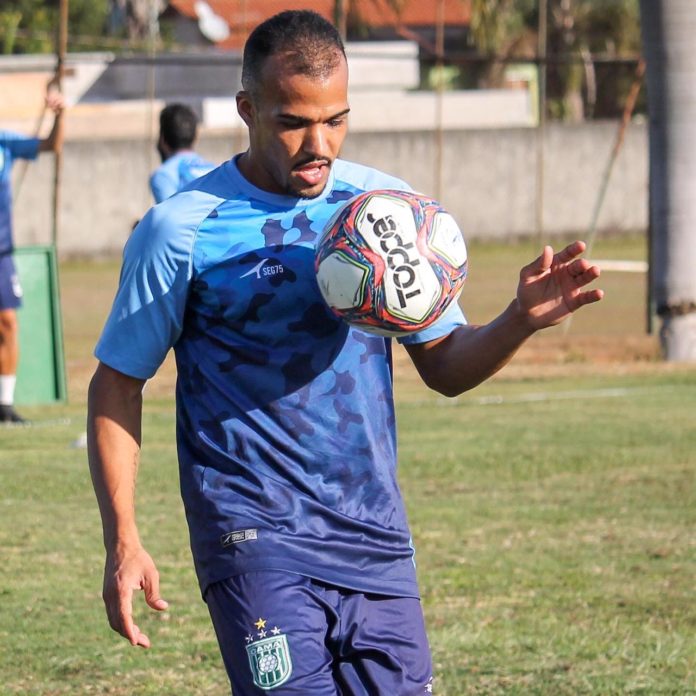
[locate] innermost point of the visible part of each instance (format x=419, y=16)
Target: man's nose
x=315, y=141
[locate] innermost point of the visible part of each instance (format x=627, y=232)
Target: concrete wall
x=488, y=181
x=385, y=110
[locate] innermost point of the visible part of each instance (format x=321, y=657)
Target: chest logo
x=262, y=270
x=238, y=537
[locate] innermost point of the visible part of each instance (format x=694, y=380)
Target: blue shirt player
x=14, y=146
x=180, y=164
x=285, y=420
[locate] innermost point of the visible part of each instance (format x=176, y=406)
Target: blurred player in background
x=285, y=414
x=14, y=146
x=180, y=164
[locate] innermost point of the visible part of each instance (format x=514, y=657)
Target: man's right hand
x=55, y=102
x=125, y=572
x=114, y=415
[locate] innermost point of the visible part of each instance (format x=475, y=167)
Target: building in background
x=225, y=24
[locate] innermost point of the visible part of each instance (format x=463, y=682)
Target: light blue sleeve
x=367, y=178
x=162, y=184
x=448, y=322
x=147, y=315
x=20, y=146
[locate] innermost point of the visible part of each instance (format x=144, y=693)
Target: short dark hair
x=178, y=126
x=311, y=43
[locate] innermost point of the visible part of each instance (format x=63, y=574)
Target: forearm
x=471, y=354
x=54, y=141
x=113, y=430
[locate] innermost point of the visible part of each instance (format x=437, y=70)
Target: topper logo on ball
x=388, y=226
x=397, y=252
x=390, y=261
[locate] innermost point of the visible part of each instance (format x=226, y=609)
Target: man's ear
x=245, y=108
x=163, y=147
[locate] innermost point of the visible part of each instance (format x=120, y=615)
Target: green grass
x=556, y=538
x=493, y=268
x=553, y=510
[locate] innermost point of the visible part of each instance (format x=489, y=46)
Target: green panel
x=41, y=373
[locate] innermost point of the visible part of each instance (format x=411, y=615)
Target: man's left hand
x=551, y=287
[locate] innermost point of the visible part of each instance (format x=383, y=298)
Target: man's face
x=297, y=125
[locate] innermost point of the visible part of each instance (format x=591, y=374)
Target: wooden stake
x=61, y=50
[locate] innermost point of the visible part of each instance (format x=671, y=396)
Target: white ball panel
x=341, y=281
x=447, y=240
x=411, y=287
x=383, y=217
x=411, y=291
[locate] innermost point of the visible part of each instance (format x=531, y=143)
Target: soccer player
x=180, y=164
x=285, y=417
x=15, y=146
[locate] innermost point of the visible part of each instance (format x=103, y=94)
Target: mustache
x=318, y=161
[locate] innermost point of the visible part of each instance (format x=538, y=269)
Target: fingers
x=578, y=268
x=119, y=610
x=127, y=628
x=589, y=297
x=570, y=252
x=55, y=101
x=54, y=98
x=141, y=639
x=121, y=620
x=119, y=585
x=582, y=272
x=152, y=593
x=540, y=265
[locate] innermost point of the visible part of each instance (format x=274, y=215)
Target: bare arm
x=470, y=354
x=54, y=141
x=550, y=289
x=113, y=437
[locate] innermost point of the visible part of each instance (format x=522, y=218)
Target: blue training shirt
x=12, y=146
x=285, y=417
x=176, y=172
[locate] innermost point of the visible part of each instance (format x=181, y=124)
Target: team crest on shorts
x=269, y=656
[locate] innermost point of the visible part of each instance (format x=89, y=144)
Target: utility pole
x=439, y=95
x=61, y=50
x=541, y=107
x=152, y=40
x=341, y=17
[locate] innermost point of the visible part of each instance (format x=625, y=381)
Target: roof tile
x=244, y=15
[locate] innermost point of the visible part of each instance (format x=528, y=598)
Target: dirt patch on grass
x=551, y=355
x=543, y=356
x=555, y=356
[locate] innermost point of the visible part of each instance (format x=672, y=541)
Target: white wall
x=488, y=179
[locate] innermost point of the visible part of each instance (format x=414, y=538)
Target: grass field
x=553, y=509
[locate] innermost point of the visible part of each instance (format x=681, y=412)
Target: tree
x=668, y=28
x=136, y=16
x=28, y=26
x=577, y=29
x=498, y=28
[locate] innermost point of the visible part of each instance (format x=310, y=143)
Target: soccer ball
x=390, y=262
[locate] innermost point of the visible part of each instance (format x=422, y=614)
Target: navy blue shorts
x=296, y=636
x=10, y=289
